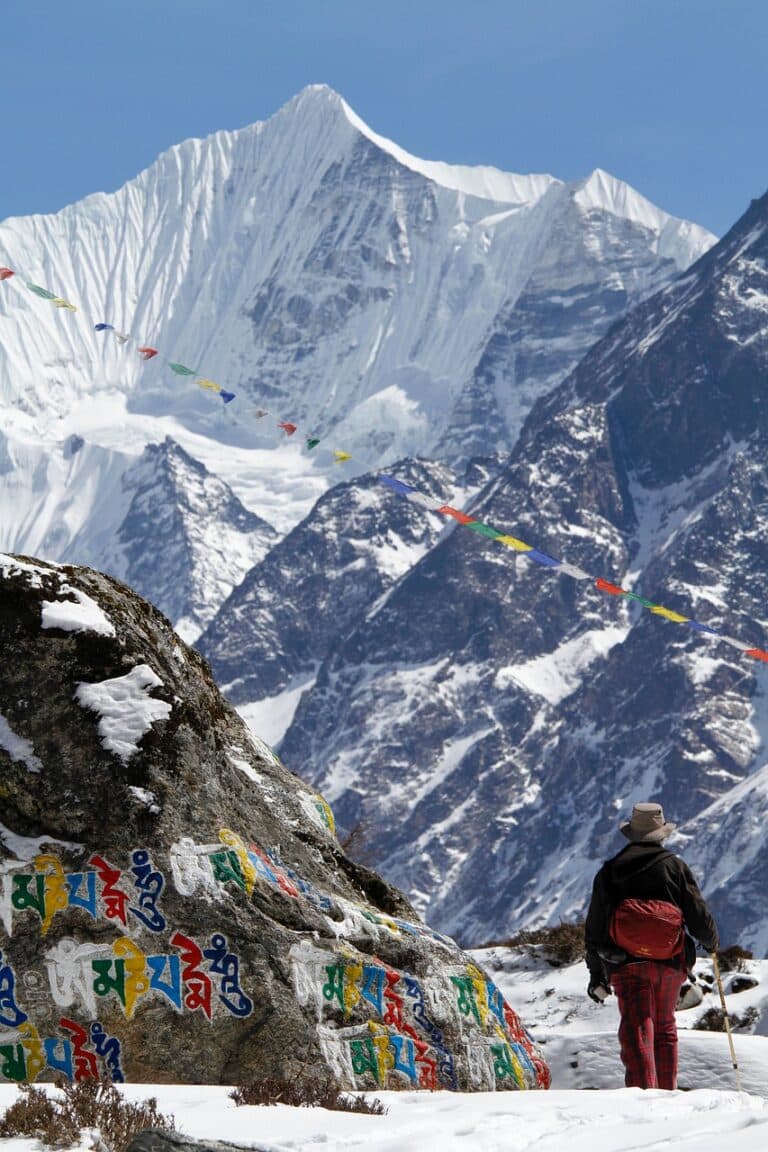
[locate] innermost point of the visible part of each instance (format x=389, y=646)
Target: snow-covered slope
x=491, y=720
x=393, y=305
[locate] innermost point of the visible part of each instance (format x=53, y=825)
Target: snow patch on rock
x=125, y=709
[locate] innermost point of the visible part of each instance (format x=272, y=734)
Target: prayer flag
x=341, y=456
x=226, y=396
x=484, y=529
x=180, y=370
x=578, y=573
x=312, y=442
x=640, y=599
x=259, y=413
x=122, y=337
x=211, y=385
x=46, y=295
x=147, y=353
x=734, y=643
x=758, y=654
x=6, y=273
x=513, y=542
x=431, y=505
x=63, y=304
x=542, y=558
x=287, y=427
x=611, y=589
x=398, y=485
x=669, y=615
x=460, y=516
x=104, y=327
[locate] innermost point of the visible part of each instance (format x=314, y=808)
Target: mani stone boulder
x=174, y=904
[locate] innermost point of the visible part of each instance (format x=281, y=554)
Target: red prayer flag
x=758, y=653
x=289, y=429
x=147, y=353
x=6, y=273
x=606, y=586
x=460, y=516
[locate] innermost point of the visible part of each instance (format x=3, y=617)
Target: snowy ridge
x=398, y=307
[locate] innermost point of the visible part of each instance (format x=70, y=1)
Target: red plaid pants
x=647, y=993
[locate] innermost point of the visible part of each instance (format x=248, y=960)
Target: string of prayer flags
x=147, y=352
x=547, y=561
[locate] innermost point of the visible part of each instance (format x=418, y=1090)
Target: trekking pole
x=716, y=968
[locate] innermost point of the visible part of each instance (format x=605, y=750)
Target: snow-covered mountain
x=391, y=305
x=490, y=721
x=186, y=540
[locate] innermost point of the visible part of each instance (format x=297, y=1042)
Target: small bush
x=35, y=1114
x=559, y=945
x=58, y=1121
x=303, y=1094
x=734, y=958
x=713, y=1020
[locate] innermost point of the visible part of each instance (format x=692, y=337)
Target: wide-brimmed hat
x=647, y=825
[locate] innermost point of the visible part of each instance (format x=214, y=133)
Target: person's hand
x=597, y=991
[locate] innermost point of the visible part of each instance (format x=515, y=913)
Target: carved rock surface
x=174, y=904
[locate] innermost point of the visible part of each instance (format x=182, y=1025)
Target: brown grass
x=302, y=1094
x=734, y=958
x=559, y=945
x=57, y=1120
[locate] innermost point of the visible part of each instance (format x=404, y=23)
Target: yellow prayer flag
x=57, y=300
x=341, y=456
x=210, y=384
x=669, y=615
x=513, y=542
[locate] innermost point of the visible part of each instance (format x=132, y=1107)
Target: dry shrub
x=304, y=1094
x=559, y=945
x=713, y=1020
x=734, y=958
x=58, y=1120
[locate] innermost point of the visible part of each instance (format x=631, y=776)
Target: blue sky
x=669, y=95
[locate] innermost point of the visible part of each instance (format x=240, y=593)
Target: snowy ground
x=579, y=1040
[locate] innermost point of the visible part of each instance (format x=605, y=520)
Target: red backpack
x=651, y=929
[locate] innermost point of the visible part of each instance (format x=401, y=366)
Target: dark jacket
x=646, y=872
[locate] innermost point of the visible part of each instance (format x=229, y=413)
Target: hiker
x=644, y=902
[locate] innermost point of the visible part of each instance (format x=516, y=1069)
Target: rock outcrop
x=174, y=904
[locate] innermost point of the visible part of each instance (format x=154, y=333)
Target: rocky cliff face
x=174, y=903
x=492, y=720
x=186, y=540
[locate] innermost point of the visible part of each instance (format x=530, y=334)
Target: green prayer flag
x=484, y=529
x=180, y=370
x=46, y=295
x=640, y=599
x=312, y=442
